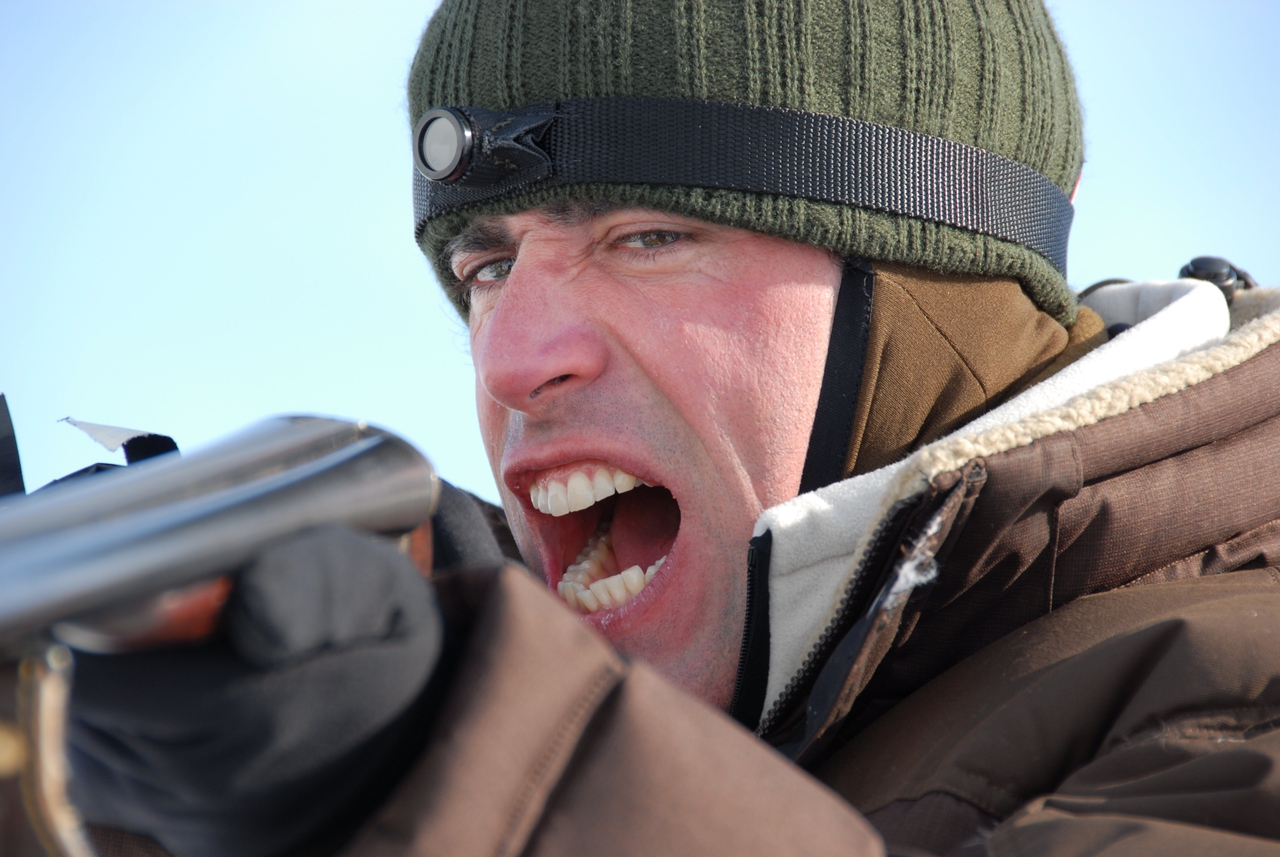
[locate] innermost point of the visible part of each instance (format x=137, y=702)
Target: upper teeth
x=553, y=497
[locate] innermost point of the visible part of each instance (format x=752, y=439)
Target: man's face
x=621, y=345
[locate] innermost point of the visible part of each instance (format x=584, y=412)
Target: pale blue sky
x=205, y=211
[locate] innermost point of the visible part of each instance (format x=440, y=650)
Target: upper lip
x=520, y=472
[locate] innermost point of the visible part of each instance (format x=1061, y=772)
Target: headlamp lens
x=444, y=144
x=439, y=144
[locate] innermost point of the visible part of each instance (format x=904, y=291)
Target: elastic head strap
x=468, y=155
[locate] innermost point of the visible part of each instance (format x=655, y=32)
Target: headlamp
x=442, y=143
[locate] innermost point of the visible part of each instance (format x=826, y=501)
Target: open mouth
x=610, y=532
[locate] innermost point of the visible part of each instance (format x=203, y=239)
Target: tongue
x=645, y=523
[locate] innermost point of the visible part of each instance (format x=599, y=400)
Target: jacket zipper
x=848, y=600
x=748, y=629
x=758, y=552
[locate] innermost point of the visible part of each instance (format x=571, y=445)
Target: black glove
x=468, y=532
x=281, y=736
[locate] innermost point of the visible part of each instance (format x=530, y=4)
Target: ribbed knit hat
x=987, y=73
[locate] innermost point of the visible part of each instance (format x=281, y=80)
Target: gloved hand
x=282, y=735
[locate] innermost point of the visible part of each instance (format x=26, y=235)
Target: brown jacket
x=1095, y=667
x=1064, y=639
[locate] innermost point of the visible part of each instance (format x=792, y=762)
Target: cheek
x=746, y=368
x=746, y=379
x=788, y=336
x=786, y=355
x=494, y=422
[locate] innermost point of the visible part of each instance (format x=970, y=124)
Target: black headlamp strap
x=468, y=155
x=841, y=379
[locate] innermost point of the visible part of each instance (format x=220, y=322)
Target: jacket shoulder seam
x=588, y=700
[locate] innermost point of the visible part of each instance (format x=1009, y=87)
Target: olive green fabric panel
x=987, y=74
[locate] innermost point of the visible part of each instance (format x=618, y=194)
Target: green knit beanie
x=987, y=73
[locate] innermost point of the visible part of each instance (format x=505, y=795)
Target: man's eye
x=493, y=271
x=649, y=240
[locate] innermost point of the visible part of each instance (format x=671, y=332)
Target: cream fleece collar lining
x=819, y=538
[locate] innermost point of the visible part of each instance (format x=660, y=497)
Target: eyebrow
x=488, y=233
x=483, y=234
x=579, y=212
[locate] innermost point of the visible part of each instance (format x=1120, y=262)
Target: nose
x=539, y=343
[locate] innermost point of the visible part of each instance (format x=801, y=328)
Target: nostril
x=552, y=383
x=524, y=365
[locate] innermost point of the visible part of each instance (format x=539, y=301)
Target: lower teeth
x=593, y=582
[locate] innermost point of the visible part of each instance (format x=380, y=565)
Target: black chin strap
x=841, y=379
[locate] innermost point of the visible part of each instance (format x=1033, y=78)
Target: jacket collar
x=821, y=542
